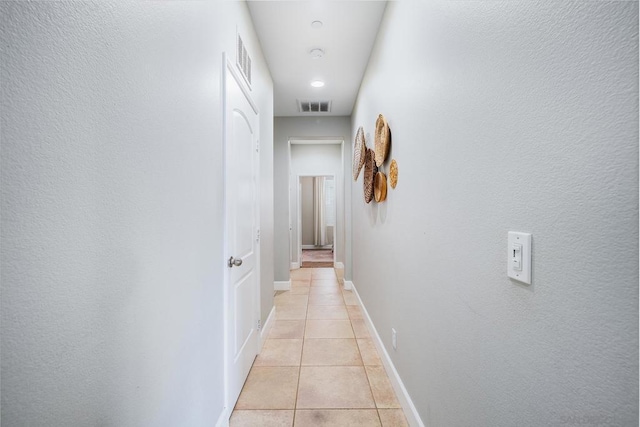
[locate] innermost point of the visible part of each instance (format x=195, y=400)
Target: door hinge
x=259, y=324
x=257, y=146
x=258, y=235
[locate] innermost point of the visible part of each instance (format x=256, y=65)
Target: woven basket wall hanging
x=359, y=151
x=393, y=173
x=382, y=140
x=380, y=187
x=370, y=170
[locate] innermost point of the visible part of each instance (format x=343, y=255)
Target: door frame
x=299, y=211
x=341, y=195
x=229, y=67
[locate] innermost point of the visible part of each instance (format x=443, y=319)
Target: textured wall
x=506, y=116
x=112, y=210
x=291, y=127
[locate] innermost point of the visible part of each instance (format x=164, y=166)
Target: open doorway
x=319, y=157
x=317, y=221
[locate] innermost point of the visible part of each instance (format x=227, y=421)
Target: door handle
x=234, y=262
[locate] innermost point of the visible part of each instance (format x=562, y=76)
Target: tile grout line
x=364, y=367
x=351, y=318
x=355, y=339
x=304, y=332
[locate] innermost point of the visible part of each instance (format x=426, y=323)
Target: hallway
x=319, y=366
x=118, y=219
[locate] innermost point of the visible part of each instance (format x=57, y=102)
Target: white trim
x=348, y=285
x=264, y=333
x=314, y=247
x=225, y=239
x=409, y=408
x=338, y=265
x=300, y=246
x=223, y=419
x=282, y=286
x=295, y=247
x=317, y=140
x=299, y=220
x=289, y=209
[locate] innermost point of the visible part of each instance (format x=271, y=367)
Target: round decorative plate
x=383, y=140
x=370, y=170
x=359, y=151
x=393, y=173
x=380, y=187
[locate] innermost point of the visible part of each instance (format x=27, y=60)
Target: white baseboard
x=338, y=265
x=264, y=333
x=295, y=265
x=348, y=285
x=282, y=286
x=223, y=420
x=410, y=411
x=317, y=247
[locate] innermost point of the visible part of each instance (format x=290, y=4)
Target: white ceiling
x=347, y=35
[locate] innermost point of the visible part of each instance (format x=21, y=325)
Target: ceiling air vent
x=314, y=106
x=243, y=60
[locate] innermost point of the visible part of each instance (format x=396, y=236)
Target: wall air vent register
x=243, y=61
x=314, y=106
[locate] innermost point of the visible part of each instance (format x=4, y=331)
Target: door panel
x=244, y=214
x=241, y=213
x=244, y=321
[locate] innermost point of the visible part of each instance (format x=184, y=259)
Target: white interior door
x=241, y=196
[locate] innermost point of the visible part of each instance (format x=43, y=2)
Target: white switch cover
x=519, y=256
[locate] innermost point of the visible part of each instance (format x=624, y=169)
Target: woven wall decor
x=370, y=170
x=382, y=140
x=393, y=173
x=359, y=151
x=380, y=187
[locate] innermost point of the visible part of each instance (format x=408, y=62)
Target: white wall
x=112, y=209
x=291, y=127
x=515, y=116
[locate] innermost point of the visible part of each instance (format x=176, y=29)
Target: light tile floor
x=319, y=366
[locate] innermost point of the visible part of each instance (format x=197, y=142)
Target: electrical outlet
x=394, y=339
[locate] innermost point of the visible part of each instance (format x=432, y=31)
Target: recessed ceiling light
x=317, y=83
x=316, y=53
x=316, y=24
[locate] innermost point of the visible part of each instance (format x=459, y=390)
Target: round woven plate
x=359, y=151
x=393, y=173
x=380, y=187
x=383, y=138
x=370, y=170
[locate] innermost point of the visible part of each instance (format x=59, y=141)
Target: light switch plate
x=524, y=273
